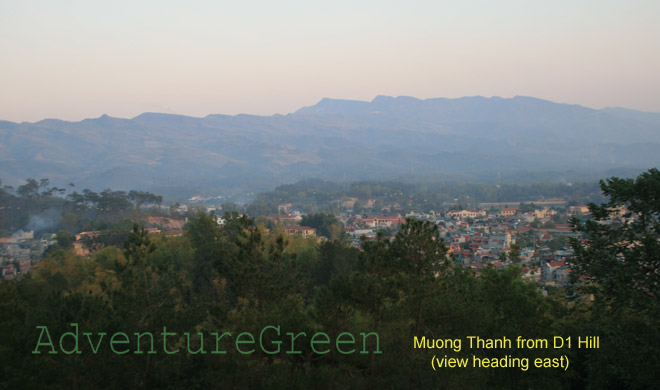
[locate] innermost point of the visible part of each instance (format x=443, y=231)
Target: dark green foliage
x=622, y=257
x=317, y=196
x=36, y=206
x=109, y=234
x=238, y=277
x=140, y=198
x=64, y=239
x=619, y=265
x=325, y=224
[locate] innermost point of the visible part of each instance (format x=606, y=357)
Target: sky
x=81, y=59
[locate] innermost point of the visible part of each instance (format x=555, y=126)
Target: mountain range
x=471, y=138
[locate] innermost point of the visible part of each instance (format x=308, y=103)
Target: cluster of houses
x=20, y=252
x=290, y=222
x=478, y=238
x=155, y=225
x=475, y=238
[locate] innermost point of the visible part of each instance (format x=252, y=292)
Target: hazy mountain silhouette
x=335, y=139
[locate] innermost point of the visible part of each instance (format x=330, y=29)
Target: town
x=533, y=235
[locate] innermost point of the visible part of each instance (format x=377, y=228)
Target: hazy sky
x=79, y=59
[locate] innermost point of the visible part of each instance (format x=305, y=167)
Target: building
x=8, y=271
x=464, y=214
x=578, y=210
x=499, y=241
x=79, y=245
x=286, y=219
x=166, y=223
x=550, y=268
x=300, y=231
x=380, y=222
x=24, y=264
x=544, y=213
x=508, y=212
x=284, y=208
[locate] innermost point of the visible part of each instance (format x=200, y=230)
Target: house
x=8, y=271
x=561, y=275
x=544, y=214
x=78, y=245
x=284, y=208
x=24, y=264
x=464, y=214
x=24, y=236
x=166, y=223
x=549, y=269
x=502, y=240
x=287, y=219
x=8, y=240
x=380, y=222
x=508, y=212
x=578, y=210
x=299, y=231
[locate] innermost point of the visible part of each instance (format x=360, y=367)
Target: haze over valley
x=467, y=139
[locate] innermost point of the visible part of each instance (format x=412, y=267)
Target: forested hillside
x=240, y=278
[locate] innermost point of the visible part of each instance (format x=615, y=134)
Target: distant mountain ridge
x=333, y=139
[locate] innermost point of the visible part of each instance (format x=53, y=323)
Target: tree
x=374, y=282
x=325, y=224
x=512, y=306
x=29, y=189
x=140, y=198
x=64, y=239
x=620, y=261
x=202, y=229
x=514, y=254
x=618, y=264
x=113, y=202
x=420, y=254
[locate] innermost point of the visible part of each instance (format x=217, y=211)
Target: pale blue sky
x=80, y=59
